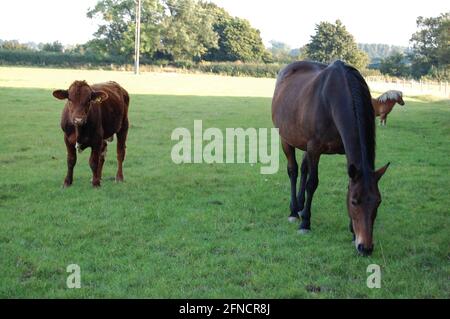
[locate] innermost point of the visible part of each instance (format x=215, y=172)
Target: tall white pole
x=137, y=37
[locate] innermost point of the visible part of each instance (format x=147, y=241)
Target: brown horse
x=91, y=116
x=384, y=104
x=324, y=109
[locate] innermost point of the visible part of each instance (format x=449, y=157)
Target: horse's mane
x=364, y=113
x=391, y=95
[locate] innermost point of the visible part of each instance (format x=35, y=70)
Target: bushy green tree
x=395, y=65
x=238, y=40
x=187, y=31
x=14, y=45
x=53, y=47
x=282, y=53
x=333, y=41
x=431, y=46
x=115, y=36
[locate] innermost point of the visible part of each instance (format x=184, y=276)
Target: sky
x=290, y=21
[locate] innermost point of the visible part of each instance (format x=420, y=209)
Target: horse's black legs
x=311, y=186
x=303, y=176
x=292, y=169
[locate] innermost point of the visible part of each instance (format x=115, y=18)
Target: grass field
x=185, y=231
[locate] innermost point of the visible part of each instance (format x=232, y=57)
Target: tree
x=187, y=31
x=333, y=41
x=238, y=40
x=394, y=65
x=281, y=52
x=53, y=47
x=14, y=45
x=431, y=46
x=115, y=36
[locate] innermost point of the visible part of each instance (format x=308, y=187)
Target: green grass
x=198, y=231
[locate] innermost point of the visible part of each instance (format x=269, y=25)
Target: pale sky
x=289, y=21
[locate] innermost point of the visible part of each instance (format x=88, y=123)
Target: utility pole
x=137, y=37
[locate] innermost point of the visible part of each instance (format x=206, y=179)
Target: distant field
x=217, y=231
x=145, y=83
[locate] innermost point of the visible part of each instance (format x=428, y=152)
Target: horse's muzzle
x=364, y=251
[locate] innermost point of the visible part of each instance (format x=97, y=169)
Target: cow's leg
x=303, y=177
x=102, y=159
x=71, y=160
x=292, y=170
x=121, y=139
x=313, y=157
x=94, y=163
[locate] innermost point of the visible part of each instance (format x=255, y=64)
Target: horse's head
x=363, y=199
x=391, y=97
x=400, y=99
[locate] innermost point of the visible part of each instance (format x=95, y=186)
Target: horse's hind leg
x=292, y=169
x=121, y=139
x=303, y=177
x=311, y=186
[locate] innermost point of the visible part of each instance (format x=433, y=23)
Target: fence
x=409, y=87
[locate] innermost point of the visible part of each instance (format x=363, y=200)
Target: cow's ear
x=99, y=96
x=61, y=94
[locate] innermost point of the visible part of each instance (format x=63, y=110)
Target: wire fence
x=410, y=87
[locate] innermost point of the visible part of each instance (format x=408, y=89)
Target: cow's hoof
x=96, y=184
x=293, y=219
x=66, y=185
x=119, y=179
x=303, y=231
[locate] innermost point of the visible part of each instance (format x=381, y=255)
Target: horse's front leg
x=383, y=117
x=311, y=186
x=292, y=170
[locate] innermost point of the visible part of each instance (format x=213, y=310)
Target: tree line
x=188, y=33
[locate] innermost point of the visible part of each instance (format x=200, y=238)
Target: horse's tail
x=363, y=110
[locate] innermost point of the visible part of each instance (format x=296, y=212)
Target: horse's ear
x=380, y=172
x=61, y=94
x=353, y=172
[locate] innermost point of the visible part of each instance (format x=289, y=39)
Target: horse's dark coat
x=324, y=109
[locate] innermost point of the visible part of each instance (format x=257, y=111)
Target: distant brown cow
x=384, y=104
x=91, y=116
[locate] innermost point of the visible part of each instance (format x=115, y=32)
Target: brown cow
x=384, y=104
x=91, y=116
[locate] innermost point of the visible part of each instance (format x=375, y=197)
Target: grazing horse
x=384, y=104
x=91, y=116
x=324, y=109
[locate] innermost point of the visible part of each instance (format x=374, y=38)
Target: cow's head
x=80, y=97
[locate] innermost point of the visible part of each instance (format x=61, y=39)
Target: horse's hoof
x=303, y=231
x=293, y=219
